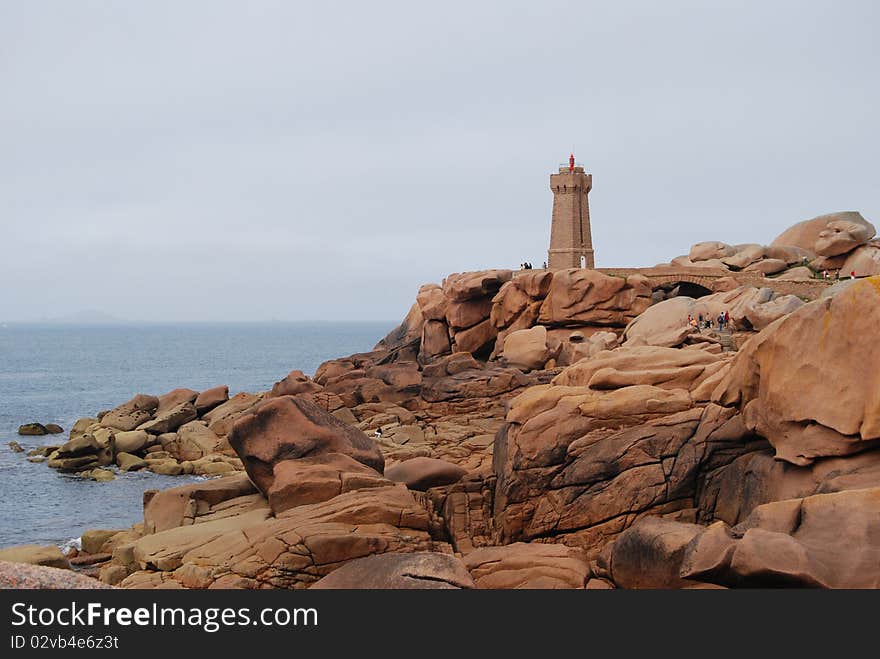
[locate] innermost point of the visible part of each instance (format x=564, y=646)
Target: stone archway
x=689, y=285
x=669, y=287
x=691, y=289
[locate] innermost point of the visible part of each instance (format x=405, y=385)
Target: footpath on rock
x=532, y=429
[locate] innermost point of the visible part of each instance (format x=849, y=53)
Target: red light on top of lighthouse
x=571, y=163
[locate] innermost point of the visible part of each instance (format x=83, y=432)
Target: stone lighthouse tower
x=571, y=243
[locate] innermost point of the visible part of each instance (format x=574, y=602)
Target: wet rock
x=32, y=429
x=98, y=475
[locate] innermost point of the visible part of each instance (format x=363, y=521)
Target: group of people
x=701, y=322
x=827, y=275
x=528, y=266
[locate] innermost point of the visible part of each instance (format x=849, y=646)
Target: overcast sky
x=289, y=160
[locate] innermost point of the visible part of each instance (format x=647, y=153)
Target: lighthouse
x=571, y=241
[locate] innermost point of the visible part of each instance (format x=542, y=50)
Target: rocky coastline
x=531, y=429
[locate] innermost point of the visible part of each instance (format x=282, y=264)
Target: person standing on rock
x=726, y=318
x=852, y=275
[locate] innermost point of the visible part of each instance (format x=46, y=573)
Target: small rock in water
x=15, y=446
x=33, y=429
x=169, y=467
x=99, y=475
x=53, y=429
x=102, y=475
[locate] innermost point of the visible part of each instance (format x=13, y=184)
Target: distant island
x=84, y=317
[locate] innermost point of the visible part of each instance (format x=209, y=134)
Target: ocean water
x=57, y=374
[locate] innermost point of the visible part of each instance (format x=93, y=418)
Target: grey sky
x=291, y=160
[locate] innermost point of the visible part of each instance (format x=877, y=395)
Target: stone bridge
x=708, y=279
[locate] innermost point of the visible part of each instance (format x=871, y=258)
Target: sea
x=59, y=373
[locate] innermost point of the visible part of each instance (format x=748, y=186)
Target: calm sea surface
x=57, y=374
